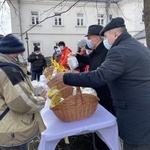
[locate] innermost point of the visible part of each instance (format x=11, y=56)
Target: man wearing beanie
x=20, y=120
x=126, y=70
x=38, y=63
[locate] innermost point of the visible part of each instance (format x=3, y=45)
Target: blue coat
x=127, y=72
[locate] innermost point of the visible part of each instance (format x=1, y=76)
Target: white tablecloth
x=101, y=122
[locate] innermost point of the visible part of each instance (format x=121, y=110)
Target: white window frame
x=58, y=19
x=35, y=17
x=80, y=19
x=100, y=19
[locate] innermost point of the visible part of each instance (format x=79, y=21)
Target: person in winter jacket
x=20, y=120
x=126, y=70
x=38, y=63
x=82, y=52
x=64, y=54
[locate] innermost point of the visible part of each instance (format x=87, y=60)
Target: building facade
x=46, y=22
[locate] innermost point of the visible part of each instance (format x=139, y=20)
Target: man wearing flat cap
x=126, y=70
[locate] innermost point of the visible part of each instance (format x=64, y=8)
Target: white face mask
x=37, y=53
x=61, y=47
x=89, y=44
x=106, y=44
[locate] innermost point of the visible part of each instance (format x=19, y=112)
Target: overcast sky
x=5, y=21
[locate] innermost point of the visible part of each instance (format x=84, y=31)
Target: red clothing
x=86, y=68
x=64, y=57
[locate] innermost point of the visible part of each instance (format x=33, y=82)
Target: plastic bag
x=72, y=62
x=39, y=87
x=88, y=90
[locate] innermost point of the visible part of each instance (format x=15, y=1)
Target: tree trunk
x=147, y=21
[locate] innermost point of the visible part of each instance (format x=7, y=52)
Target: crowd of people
x=109, y=60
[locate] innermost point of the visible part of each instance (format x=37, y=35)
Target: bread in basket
x=75, y=107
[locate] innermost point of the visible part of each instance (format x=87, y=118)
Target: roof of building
x=140, y=35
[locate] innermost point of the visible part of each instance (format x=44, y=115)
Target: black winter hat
x=36, y=48
x=11, y=44
x=61, y=43
x=114, y=23
x=94, y=30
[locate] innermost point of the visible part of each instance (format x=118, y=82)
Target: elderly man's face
x=111, y=36
x=95, y=39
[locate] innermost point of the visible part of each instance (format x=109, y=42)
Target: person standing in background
x=38, y=63
x=81, y=51
x=56, y=54
x=64, y=54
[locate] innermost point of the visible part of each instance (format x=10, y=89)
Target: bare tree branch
x=51, y=17
x=15, y=9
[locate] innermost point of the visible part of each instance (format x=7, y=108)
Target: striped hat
x=10, y=44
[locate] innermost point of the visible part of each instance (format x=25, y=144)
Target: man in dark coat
x=126, y=70
x=38, y=63
x=94, y=60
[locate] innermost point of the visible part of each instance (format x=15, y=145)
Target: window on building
x=80, y=19
x=100, y=19
x=58, y=19
x=35, y=17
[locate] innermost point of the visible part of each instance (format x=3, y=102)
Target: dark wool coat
x=37, y=65
x=94, y=60
x=127, y=71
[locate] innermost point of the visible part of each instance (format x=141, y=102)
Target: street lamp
x=27, y=39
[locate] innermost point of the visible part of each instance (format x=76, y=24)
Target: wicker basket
x=75, y=107
x=49, y=71
x=53, y=82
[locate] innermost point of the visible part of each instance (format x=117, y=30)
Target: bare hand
x=44, y=95
x=59, y=77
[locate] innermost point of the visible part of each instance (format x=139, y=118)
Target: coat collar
x=122, y=37
x=99, y=48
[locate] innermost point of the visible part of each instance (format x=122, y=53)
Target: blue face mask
x=61, y=47
x=89, y=44
x=106, y=44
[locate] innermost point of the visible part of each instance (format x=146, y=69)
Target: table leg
x=93, y=139
x=111, y=139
